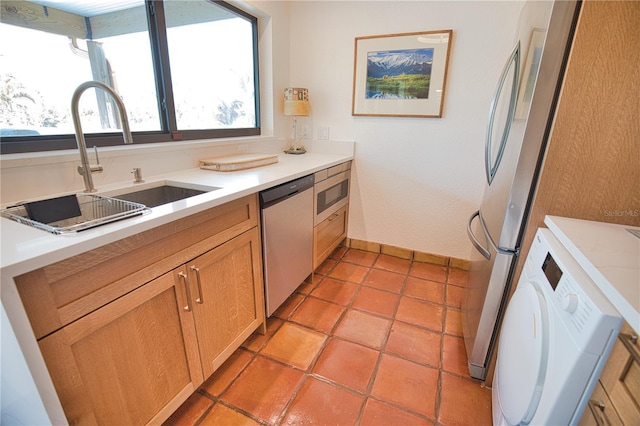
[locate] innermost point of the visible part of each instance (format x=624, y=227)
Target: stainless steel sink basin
x=153, y=197
x=73, y=213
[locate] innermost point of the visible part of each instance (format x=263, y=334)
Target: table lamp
x=296, y=104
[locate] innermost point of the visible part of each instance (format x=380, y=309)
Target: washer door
x=522, y=354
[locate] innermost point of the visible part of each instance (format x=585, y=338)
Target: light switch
x=323, y=133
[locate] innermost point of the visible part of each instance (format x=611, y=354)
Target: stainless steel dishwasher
x=287, y=238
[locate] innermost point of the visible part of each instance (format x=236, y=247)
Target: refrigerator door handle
x=514, y=59
x=483, y=251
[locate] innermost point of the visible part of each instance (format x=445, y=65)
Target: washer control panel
x=572, y=300
x=580, y=305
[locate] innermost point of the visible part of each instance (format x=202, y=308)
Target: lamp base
x=295, y=151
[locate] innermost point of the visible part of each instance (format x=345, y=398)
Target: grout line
x=342, y=258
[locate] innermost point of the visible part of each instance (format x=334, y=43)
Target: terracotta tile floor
x=373, y=340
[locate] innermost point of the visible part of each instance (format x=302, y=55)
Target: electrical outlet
x=243, y=147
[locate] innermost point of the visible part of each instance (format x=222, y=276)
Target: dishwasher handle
x=279, y=193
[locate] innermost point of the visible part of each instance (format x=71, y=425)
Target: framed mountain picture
x=401, y=74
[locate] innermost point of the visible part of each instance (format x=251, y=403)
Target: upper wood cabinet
x=132, y=349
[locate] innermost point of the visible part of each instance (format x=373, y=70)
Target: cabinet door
x=134, y=361
x=228, y=297
x=599, y=410
x=621, y=376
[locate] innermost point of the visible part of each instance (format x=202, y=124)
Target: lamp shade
x=296, y=101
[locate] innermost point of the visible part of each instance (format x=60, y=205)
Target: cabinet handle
x=200, y=299
x=185, y=278
x=597, y=409
x=629, y=341
x=333, y=217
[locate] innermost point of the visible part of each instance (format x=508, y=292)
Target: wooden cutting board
x=231, y=163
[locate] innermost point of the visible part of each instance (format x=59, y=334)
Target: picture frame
x=401, y=75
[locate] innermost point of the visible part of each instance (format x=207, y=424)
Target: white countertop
x=25, y=248
x=610, y=254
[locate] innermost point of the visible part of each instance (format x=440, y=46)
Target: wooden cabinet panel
x=621, y=378
x=600, y=410
x=590, y=169
x=60, y=293
x=329, y=234
x=130, y=330
x=226, y=286
x=133, y=361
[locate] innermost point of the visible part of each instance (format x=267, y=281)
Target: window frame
x=169, y=130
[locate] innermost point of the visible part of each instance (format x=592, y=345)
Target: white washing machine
x=556, y=335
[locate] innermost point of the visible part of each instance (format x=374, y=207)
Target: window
x=185, y=70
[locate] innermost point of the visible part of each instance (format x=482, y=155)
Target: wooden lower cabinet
x=621, y=376
x=134, y=361
x=616, y=398
x=328, y=235
x=227, y=293
x=137, y=359
x=599, y=411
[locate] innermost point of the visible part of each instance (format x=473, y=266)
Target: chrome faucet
x=86, y=169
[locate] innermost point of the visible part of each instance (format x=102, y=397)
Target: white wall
x=417, y=180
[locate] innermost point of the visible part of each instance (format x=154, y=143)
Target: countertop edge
x=25, y=249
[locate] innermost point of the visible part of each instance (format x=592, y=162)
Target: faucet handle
x=93, y=168
x=95, y=149
x=96, y=168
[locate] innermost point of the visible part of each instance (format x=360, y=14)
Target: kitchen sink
x=164, y=194
x=73, y=213
x=77, y=212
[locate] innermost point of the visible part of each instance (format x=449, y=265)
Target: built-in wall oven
x=331, y=191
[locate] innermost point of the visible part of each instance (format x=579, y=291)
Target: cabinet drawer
x=328, y=235
x=621, y=377
x=58, y=294
x=600, y=410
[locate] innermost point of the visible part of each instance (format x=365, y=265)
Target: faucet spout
x=86, y=169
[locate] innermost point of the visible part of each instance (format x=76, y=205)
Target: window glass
x=212, y=66
x=184, y=69
x=41, y=69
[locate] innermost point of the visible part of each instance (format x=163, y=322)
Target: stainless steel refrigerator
x=520, y=118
